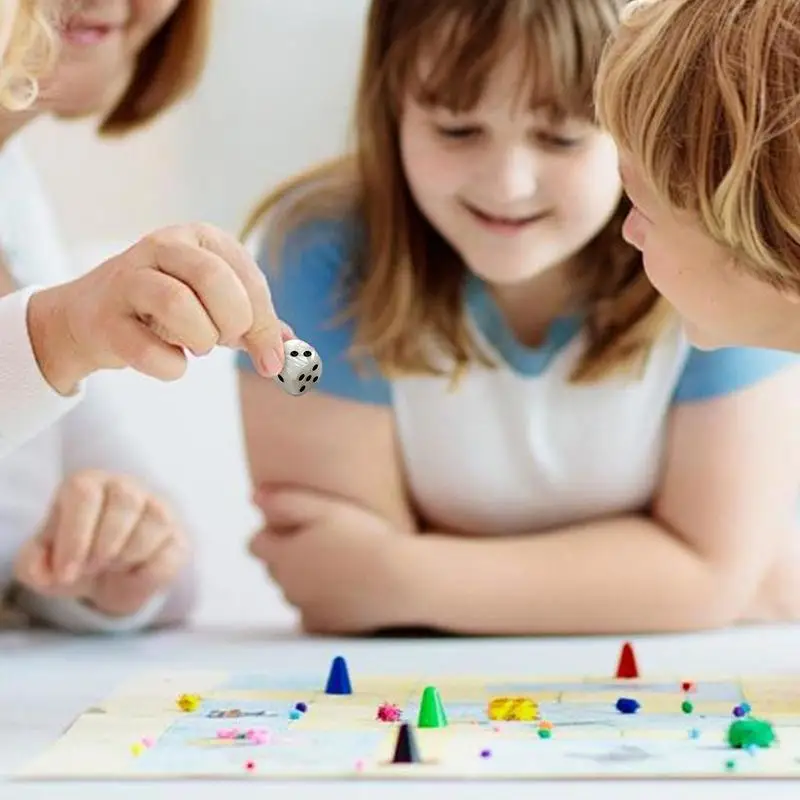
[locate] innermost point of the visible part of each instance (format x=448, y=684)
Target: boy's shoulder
x=715, y=373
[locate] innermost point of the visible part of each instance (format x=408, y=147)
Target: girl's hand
x=343, y=567
x=106, y=541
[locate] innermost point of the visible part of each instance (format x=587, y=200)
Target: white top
x=519, y=448
x=87, y=437
x=28, y=404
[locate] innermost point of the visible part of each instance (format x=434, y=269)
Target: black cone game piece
x=405, y=750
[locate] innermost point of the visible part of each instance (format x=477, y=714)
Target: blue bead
x=294, y=714
x=301, y=707
x=739, y=711
x=746, y=707
x=627, y=705
x=694, y=733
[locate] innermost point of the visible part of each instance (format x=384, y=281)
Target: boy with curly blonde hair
x=703, y=100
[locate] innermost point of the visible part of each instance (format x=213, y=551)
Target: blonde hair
x=30, y=53
x=405, y=278
x=705, y=97
x=167, y=69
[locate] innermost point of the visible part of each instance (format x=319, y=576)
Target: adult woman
x=109, y=554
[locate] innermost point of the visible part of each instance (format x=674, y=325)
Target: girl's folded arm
x=324, y=442
x=727, y=503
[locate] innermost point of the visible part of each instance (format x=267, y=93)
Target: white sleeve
x=77, y=617
x=28, y=403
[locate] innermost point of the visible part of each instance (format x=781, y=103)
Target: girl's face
x=512, y=190
x=720, y=304
x=101, y=40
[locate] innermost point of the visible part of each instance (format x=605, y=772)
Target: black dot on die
x=280, y=378
x=302, y=389
x=294, y=354
x=316, y=378
x=308, y=378
x=307, y=353
x=300, y=377
x=315, y=368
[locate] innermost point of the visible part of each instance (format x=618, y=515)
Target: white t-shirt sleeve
x=28, y=404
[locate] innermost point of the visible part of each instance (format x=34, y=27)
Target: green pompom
x=687, y=707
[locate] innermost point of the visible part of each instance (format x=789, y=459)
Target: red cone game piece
x=626, y=667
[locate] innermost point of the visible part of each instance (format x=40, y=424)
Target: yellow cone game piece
x=513, y=709
x=188, y=702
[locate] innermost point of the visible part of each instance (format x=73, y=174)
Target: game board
x=338, y=735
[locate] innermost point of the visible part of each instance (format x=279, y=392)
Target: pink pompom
x=388, y=712
x=257, y=736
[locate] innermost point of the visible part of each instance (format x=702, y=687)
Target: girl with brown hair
x=513, y=434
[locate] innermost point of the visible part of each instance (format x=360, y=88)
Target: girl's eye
x=463, y=132
x=562, y=142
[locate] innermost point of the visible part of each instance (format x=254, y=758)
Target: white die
x=301, y=369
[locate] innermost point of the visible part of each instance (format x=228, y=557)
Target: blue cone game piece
x=338, y=678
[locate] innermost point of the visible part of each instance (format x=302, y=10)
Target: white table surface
x=46, y=680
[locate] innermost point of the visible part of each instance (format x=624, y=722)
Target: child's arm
x=325, y=443
x=726, y=506
x=722, y=522
x=723, y=517
x=340, y=441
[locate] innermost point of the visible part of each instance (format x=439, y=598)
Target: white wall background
x=276, y=97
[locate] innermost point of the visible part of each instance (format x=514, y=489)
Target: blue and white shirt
x=515, y=448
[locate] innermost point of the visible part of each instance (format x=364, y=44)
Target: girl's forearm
x=624, y=574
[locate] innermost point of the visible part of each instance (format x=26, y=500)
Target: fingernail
x=272, y=363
